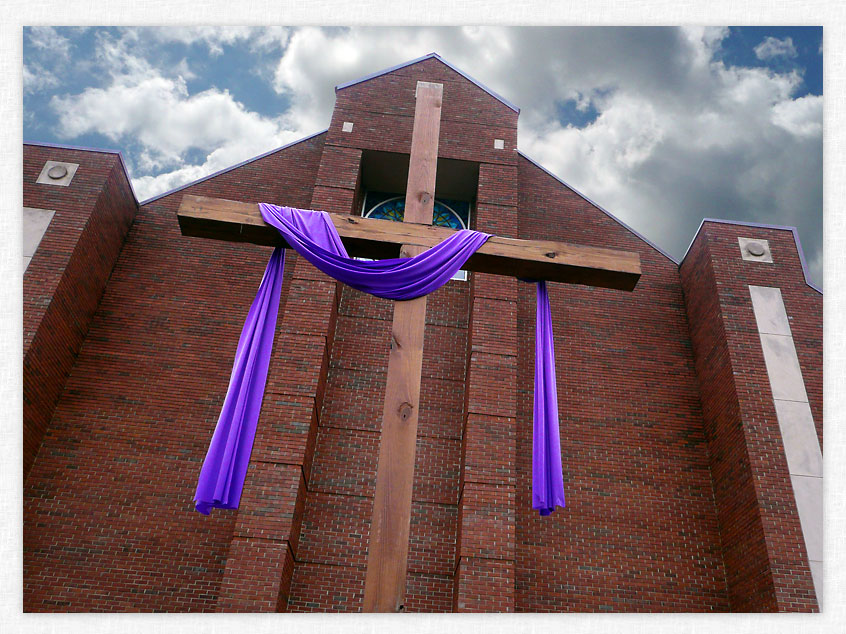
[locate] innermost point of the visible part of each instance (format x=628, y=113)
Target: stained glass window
x=446, y=217
x=393, y=209
x=454, y=214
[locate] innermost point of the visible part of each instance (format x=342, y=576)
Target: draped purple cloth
x=314, y=237
x=547, y=481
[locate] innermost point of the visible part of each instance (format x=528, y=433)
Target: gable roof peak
x=432, y=55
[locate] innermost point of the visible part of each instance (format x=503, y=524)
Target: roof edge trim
x=61, y=146
x=601, y=208
x=378, y=73
x=232, y=167
x=761, y=225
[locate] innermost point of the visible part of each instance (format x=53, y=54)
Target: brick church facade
x=683, y=426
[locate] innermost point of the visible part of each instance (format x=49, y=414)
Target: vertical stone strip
x=485, y=573
x=798, y=433
x=263, y=553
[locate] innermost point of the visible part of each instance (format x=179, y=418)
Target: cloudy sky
x=660, y=126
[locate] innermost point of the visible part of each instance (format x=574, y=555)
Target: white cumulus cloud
x=37, y=78
x=151, y=111
x=48, y=40
x=159, y=113
x=773, y=47
x=800, y=117
x=214, y=38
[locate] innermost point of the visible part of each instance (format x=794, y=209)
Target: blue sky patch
x=569, y=113
x=738, y=49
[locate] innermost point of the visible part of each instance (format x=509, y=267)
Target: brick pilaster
x=485, y=572
x=64, y=282
x=764, y=552
x=262, y=557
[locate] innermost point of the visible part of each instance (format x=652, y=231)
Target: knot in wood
x=550, y=254
x=405, y=411
x=425, y=197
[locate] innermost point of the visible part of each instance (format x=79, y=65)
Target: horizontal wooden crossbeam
x=370, y=238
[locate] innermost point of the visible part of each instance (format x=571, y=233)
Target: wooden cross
x=387, y=556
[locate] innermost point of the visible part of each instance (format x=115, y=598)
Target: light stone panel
x=35, y=223
x=808, y=492
x=57, y=173
x=800, y=438
x=817, y=574
x=783, y=368
x=769, y=310
x=795, y=421
x=754, y=250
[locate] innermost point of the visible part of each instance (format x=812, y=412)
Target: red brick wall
x=108, y=513
x=382, y=111
x=65, y=279
x=763, y=548
x=640, y=531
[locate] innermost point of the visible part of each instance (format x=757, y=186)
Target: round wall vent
x=755, y=248
x=57, y=171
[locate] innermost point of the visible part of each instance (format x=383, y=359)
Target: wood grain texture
x=367, y=237
x=387, y=555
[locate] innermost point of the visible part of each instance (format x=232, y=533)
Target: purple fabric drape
x=314, y=237
x=225, y=466
x=547, y=480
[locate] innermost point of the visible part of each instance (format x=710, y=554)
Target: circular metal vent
x=57, y=171
x=755, y=248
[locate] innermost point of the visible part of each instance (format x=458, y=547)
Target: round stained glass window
x=394, y=209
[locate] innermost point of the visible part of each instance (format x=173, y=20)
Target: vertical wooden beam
x=387, y=556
